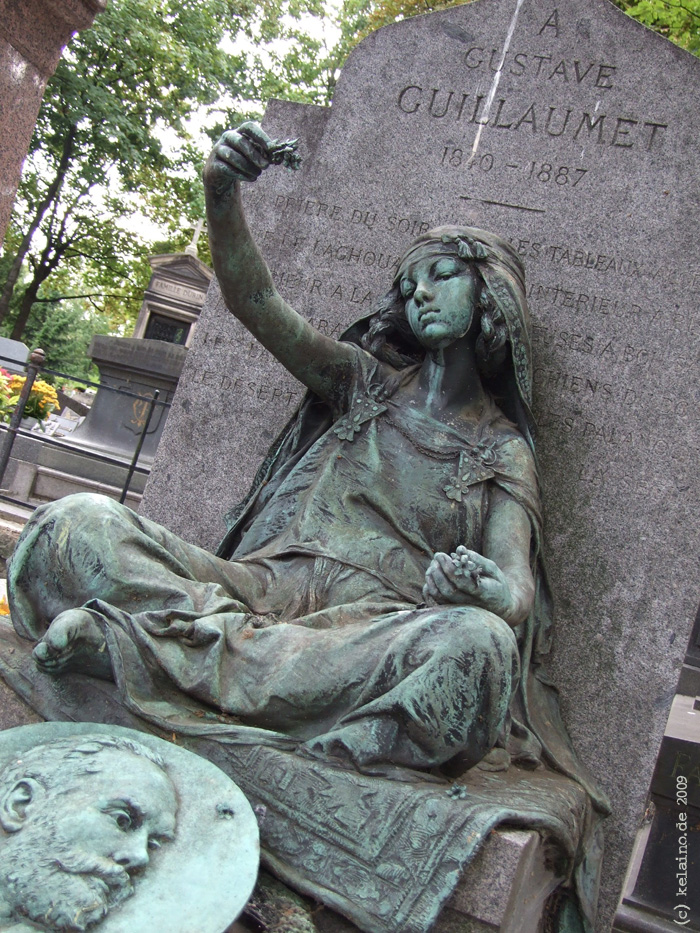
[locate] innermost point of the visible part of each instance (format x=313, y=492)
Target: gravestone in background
x=174, y=297
x=582, y=150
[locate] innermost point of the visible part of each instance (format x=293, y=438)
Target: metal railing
x=33, y=367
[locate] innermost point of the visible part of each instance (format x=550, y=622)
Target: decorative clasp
x=475, y=466
x=363, y=409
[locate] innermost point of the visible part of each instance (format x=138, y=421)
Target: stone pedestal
x=503, y=890
x=32, y=36
x=115, y=421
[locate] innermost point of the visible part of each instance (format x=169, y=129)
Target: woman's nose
x=423, y=292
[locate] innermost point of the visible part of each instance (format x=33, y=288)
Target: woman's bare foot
x=74, y=642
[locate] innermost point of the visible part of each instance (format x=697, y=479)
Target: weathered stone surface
x=116, y=421
x=13, y=355
x=32, y=36
x=174, y=298
x=199, y=876
x=13, y=710
x=589, y=164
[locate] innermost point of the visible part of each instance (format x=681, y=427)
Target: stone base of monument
x=112, y=428
x=137, y=367
x=40, y=472
x=32, y=482
x=504, y=889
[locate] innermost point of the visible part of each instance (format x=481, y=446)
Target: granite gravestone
x=571, y=130
x=116, y=422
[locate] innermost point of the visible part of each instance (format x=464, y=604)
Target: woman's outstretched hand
x=241, y=155
x=467, y=578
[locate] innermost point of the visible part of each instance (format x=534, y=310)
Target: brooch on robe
x=475, y=466
x=363, y=409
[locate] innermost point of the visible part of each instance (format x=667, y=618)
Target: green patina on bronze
x=378, y=606
x=109, y=828
x=69, y=843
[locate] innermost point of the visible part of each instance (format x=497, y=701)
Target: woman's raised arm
x=319, y=362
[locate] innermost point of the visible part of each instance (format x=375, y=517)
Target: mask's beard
x=63, y=890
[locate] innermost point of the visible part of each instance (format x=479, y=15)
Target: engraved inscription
x=543, y=172
x=211, y=378
x=538, y=119
x=337, y=252
x=550, y=67
x=164, y=287
x=582, y=303
x=613, y=350
x=590, y=390
x=308, y=206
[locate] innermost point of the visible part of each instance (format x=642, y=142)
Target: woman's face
x=440, y=294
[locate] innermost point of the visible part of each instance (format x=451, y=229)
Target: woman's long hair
x=390, y=338
x=503, y=343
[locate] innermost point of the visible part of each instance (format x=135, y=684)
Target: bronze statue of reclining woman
x=380, y=600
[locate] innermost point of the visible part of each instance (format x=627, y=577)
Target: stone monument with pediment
x=174, y=297
x=152, y=358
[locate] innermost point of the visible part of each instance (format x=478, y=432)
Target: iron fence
x=9, y=432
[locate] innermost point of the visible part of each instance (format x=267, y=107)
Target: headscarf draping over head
x=503, y=276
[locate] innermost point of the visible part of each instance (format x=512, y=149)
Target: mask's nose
x=133, y=851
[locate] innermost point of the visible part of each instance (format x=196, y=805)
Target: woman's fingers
x=476, y=564
x=257, y=135
x=437, y=582
x=450, y=578
x=239, y=161
x=244, y=150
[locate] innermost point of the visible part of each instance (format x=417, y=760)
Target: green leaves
x=113, y=137
x=675, y=20
x=115, y=134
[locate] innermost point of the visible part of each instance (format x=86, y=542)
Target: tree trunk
x=52, y=194
x=25, y=309
x=56, y=246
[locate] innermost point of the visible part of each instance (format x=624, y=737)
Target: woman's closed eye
x=447, y=269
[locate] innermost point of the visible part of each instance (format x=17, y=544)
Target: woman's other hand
x=469, y=579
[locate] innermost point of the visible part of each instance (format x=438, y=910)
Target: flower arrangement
x=42, y=398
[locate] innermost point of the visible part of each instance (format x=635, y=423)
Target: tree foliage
x=677, y=20
x=112, y=134
x=113, y=139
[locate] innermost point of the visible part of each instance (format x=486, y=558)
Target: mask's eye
x=153, y=844
x=123, y=819
x=407, y=288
